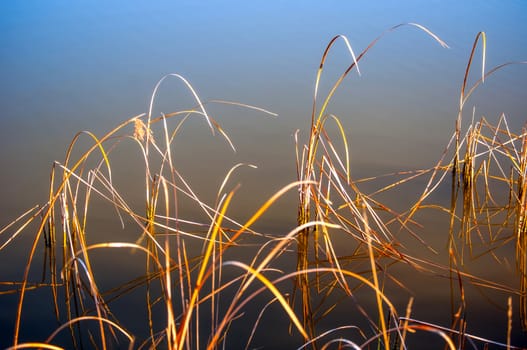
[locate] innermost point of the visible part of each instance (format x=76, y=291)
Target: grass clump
x=192, y=273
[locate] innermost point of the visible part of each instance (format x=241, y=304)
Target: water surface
x=68, y=67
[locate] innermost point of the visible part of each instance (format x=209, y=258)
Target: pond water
x=68, y=67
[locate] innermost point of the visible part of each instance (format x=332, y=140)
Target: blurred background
x=71, y=66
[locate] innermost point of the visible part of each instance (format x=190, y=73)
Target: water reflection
x=84, y=67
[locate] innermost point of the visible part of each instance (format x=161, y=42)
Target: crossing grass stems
x=190, y=290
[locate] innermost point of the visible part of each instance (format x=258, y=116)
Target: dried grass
x=190, y=288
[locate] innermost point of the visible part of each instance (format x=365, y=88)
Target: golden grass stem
x=182, y=332
x=380, y=307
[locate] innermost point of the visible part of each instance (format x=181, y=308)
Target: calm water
x=67, y=68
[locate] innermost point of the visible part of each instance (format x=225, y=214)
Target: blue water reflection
x=70, y=66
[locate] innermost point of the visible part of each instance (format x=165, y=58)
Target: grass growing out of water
x=210, y=290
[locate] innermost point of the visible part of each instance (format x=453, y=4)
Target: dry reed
x=190, y=289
